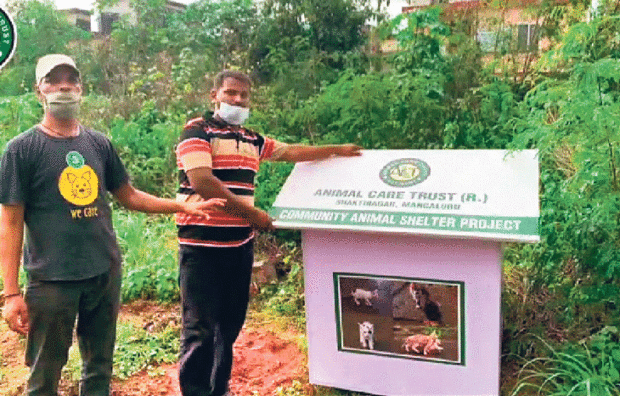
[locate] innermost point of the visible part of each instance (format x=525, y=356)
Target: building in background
x=79, y=18
x=102, y=21
x=512, y=27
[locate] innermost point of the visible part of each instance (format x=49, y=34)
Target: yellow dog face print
x=78, y=183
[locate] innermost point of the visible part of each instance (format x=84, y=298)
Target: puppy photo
x=367, y=334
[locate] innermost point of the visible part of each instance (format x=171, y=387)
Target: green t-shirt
x=62, y=184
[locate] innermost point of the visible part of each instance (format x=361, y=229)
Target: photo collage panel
x=400, y=317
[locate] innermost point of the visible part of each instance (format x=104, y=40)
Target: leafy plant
x=149, y=255
x=285, y=298
x=590, y=368
x=221, y=32
x=312, y=35
x=138, y=349
x=146, y=145
x=269, y=181
x=32, y=17
x=574, y=123
x=17, y=114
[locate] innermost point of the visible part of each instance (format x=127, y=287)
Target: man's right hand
x=15, y=313
x=260, y=220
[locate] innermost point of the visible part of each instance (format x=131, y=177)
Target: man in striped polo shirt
x=218, y=158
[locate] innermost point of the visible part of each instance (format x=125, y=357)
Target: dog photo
x=400, y=317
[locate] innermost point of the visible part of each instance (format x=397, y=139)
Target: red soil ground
x=263, y=363
x=265, y=359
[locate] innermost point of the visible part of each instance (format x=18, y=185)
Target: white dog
x=361, y=294
x=367, y=335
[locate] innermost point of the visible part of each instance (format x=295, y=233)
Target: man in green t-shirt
x=53, y=180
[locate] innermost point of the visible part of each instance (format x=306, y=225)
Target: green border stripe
x=418, y=221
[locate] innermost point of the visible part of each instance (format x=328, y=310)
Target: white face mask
x=234, y=115
x=63, y=105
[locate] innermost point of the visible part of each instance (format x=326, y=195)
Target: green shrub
x=591, y=367
x=137, y=349
x=149, y=248
x=287, y=298
x=146, y=146
x=17, y=114
x=35, y=22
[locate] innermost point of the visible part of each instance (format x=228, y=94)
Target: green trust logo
x=8, y=37
x=75, y=160
x=405, y=172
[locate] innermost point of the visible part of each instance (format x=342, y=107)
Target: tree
x=574, y=122
x=36, y=22
x=222, y=30
x=315, y=32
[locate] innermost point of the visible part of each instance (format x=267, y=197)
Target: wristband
x=12, y=295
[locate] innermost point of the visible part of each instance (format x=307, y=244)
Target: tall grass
x=590, y=368
x=149, y=248
x=17, y=114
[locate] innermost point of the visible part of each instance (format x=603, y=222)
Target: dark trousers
x=52, y=309
x=215, y=290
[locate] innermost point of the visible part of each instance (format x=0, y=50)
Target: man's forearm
x=134, y=199
x=234, y=205
x=301, y=153
x=208, y=186
x=11, y=240
x=10, y=272
x=145, y=202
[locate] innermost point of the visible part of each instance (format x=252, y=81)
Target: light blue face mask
x=63, y=105
x=234, y=115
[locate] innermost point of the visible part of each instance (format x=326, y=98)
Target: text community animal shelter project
x=402, y=257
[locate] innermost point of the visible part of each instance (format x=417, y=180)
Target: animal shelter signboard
x=402, y=257
x=488, y=194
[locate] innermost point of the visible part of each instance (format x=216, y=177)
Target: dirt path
x=263, y=363
x=13, y=371
x=266, y=358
